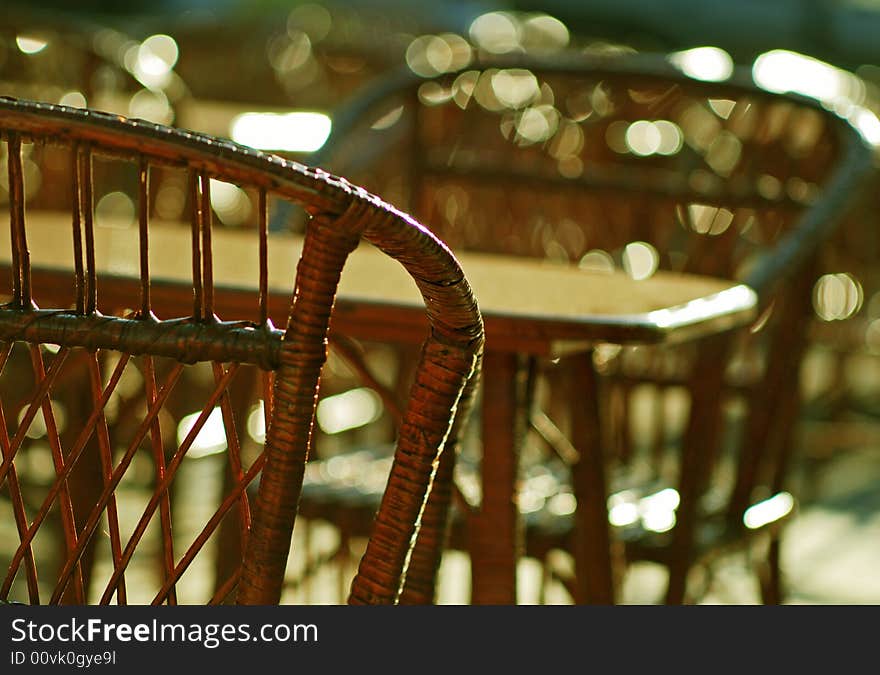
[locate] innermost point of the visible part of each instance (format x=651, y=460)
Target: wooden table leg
x=592, y=540
x=495, y=533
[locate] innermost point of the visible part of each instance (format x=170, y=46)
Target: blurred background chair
x=640, y=163
x=102, y=486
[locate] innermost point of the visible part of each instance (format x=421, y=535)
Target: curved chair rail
x=342, y=214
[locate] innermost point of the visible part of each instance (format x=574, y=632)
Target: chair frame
x=781, y=267
x=341, y=215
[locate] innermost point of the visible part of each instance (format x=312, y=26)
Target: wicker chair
x=626, y=162
x=83, y=325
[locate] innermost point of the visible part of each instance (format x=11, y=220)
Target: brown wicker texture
x=622, y=162
x=96, y=343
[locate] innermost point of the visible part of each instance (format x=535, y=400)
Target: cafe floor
x=831, y=549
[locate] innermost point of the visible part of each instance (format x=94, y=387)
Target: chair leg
x=495, y=533
x=593, y=548
x=700, y=580
x=675, y=592
x=771, y=573
x=698, y=454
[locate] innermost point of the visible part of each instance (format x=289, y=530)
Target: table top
x=528, y=305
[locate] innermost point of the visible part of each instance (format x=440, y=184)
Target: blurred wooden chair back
x=626, y=162
x=88, y=325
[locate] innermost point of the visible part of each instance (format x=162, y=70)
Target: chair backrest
x=557, y=158
x=113, y=347
x=625, y=161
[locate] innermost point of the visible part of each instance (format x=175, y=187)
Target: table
x=530, y=308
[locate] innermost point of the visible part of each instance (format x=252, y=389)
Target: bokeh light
x=496, y=32
x=349, y=410
x=291, y=132
x=710, y=64
x=640, y=260
x=837, y=296
x=30, y=44
x=115, y=209
x=210, y=439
